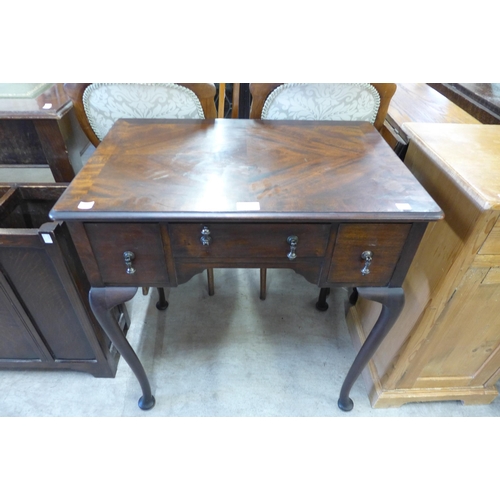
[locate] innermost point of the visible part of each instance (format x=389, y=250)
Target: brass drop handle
x=129, y=257
x=292, y=241
x=367, y=256
x=205, y=236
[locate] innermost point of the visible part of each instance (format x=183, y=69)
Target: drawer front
x=249, y=241
x=491, y=245
x=385, y=241
x=110, y=241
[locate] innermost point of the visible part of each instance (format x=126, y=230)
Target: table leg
x=102, y=300
x=392, y=300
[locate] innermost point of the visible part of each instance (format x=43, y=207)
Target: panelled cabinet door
x=18, y=337
x=455, y=354
x=43, y=297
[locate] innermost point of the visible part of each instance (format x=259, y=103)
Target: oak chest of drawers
x=446, y=342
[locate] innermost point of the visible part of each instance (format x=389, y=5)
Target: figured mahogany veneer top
x=294, y=170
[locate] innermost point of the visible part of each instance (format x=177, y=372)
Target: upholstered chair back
x=99, y=105
x=322, y=101
x=330, y=101
x=104, y=103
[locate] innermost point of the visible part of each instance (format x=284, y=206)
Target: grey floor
x=227, y=355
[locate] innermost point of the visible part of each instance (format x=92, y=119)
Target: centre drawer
x=247, y=241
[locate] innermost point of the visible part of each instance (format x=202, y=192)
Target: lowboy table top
x=244, y=169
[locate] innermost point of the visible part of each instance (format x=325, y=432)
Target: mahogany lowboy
x=164, y=200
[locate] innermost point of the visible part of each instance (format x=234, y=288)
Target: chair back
x=322, y=101
x=99, y=105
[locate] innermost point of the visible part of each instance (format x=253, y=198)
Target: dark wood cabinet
x=45, y=317
x=40, y=128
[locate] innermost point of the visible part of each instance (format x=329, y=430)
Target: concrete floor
x=227, y=355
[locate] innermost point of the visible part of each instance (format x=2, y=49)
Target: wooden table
x=446, y=342
x=163, y=200
x=481, y=100
x=42, y=130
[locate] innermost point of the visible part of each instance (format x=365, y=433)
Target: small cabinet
x=45, y=317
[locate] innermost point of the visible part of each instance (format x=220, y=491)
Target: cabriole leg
x=392, y=300
x=102, y=300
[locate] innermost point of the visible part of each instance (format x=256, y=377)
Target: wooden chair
x=99, y=105
x=325, y=101
x=260, y=93
x=204, y=92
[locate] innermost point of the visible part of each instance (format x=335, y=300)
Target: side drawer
x=248, y=241
x=110, y=240
x=385, y=241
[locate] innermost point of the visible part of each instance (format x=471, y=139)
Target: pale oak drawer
x=491, y=245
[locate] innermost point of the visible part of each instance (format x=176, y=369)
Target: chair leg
x=210, y=277
x=322, y=304
x=263, y=283
x=162, y=304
